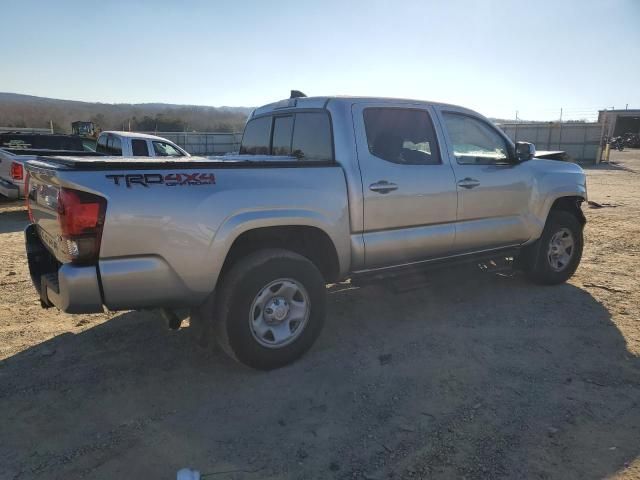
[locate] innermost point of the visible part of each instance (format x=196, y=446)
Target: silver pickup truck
x=323, y=189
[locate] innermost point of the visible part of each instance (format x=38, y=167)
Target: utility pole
x=560, y=132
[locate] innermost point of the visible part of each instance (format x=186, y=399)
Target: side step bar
x=491, y=262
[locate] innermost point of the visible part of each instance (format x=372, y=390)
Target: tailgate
x=68, y=220
x=62, y=243
x=42, y=201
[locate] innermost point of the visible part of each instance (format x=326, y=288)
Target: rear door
x=493, y=190
x=408, y=186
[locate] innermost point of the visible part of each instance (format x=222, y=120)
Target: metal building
x=619, y=122
x=582, y=141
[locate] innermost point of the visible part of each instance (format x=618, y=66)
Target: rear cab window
x=305, y=135
x=312, y=137
x=257, y=137
x=101, y=145
x=282, y=130
x=114, y=146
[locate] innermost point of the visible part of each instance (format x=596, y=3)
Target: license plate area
x=43, y=267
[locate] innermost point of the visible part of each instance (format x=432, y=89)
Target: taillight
x=17, y=172
x=81, y=217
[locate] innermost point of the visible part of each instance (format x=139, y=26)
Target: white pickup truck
x=324, y=189
x=133, y=144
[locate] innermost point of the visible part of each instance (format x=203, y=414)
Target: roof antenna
x=297, y=94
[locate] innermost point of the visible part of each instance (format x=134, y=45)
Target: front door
x=494, y=191
x=408, y=186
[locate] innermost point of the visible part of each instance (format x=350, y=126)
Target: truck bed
x=36, y=152
x=169, y=223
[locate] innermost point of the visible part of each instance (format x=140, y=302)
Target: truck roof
x=322, y=102
x=134, y=135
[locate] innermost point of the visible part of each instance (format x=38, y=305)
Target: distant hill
x=18, y=110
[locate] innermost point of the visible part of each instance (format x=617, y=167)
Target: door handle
x=468, y=183
x=383, y=186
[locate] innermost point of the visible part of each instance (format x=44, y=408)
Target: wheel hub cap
x=276, y=310
x=560, y=251
x=279, y=313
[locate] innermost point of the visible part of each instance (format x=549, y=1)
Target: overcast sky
x=493, y=56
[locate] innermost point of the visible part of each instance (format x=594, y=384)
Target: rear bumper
x=8, y=189
x=71, y=288
x=119, y=284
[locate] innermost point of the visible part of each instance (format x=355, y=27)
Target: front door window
x=474, y=141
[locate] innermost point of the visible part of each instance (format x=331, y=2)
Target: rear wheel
x=556, y=255
x=270, y=308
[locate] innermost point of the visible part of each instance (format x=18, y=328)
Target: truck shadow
x=483, y=377
x=13, y=220
x=612, y=165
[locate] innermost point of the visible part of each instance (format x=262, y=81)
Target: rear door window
x=139, y=148
x=257, y=137
x=401, y=135
x=312, y=137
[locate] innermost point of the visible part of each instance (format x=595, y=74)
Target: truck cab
x=132, y=144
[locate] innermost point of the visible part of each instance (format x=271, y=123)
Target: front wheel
x=270, y=308
x=556, y=255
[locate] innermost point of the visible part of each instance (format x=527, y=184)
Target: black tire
x=538, y=266
x=238, y=289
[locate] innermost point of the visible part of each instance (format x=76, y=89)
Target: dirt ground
x=473, y=376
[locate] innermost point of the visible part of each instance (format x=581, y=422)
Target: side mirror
x=525, y=151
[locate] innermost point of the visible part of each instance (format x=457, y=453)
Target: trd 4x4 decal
x=170, y=180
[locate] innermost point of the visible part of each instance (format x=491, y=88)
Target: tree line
x=37, y=112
